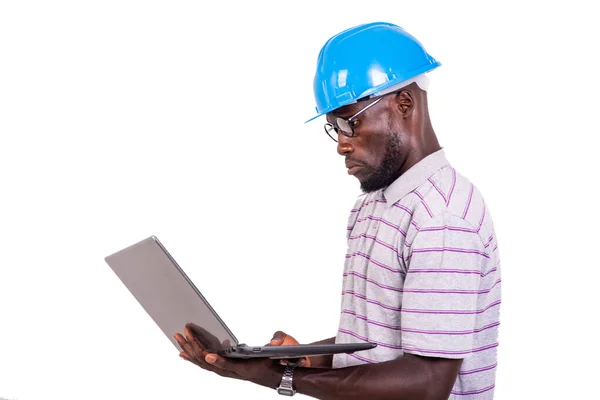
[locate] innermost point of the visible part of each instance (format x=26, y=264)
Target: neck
x=423, y=143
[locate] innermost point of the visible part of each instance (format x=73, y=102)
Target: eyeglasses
x=345, y=126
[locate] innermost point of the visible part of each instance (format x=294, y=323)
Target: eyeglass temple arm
x=365, y=109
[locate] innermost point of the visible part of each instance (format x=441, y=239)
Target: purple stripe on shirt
x=474, y=371
x=453, y=312
x=451, y=249
x=423, y=202
x=419, y=311
x=484, y=291
x=438, y=190
x=449, y=271
x=468, y=202
x=368, y=257
x=367, y=203
x=456, y=291
x=382, y=344
x=495, y=247
x=451, y=332
x=424, y=332
x=387, y=287
x=456, y=352
x=358, y=209
x=372, y=322
x=408, y=348
x=445, y=271
x=363, y=297
x=383, y=221
x=450, y=228
x=479, y=391
x=489, y=272
x=424, y=291
x=489, y=242
x=413, y=223
x=400, y=206
x=362, y=358
x=374, y=238
x=482, y=218
x=452, y=187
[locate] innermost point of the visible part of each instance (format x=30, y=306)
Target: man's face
x=374, y=155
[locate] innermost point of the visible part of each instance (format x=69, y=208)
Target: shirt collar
x=415, y=176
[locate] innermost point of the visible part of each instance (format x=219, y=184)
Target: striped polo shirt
x=422, y=275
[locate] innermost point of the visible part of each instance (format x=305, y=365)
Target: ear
x=405, y=103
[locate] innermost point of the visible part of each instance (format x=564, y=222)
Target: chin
x=369, y=188
x=372, y=185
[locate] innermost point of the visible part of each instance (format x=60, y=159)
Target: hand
x=262, y=371
x=206, y=339
x=283, y=339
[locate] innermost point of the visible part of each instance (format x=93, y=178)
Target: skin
x=401, y=117
x=389, y=139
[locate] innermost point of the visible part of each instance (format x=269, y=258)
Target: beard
x=389, y=169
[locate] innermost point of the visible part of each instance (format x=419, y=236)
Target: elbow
x=430, y=388
x=439, y=379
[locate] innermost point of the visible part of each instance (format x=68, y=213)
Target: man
x=422, y=272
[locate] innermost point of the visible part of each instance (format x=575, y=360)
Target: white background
x=125, y=119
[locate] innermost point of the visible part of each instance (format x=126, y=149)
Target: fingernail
x=211, y=358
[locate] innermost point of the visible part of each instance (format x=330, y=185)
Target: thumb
x=215, y=360
x=278, y=338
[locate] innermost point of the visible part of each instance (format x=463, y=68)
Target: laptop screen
x=166, y=293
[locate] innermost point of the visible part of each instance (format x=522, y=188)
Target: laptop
x=172, y=300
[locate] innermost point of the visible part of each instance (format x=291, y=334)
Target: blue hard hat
x=364, y=60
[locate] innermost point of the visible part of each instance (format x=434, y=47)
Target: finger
x=179, y=339
x=201, y=362
x=214, y=363
x=196, y=347
x=185, y=356
x=184, y=345
x=208, y=340
x=192, y=326
x=217, y=361
x=278, y=338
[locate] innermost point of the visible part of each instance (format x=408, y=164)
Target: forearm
x=323, y=361
x=409, y=377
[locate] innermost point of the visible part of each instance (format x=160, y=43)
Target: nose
x=344, y=145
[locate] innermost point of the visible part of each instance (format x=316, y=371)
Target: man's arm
x=409, y=377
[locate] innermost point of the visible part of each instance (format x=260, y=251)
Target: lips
x=353, y=167
x=353, y=170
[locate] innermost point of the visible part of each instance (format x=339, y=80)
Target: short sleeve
x=440, y=304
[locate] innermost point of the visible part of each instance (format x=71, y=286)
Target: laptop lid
x=166, y=293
